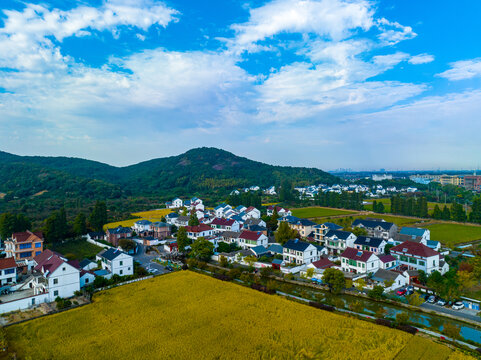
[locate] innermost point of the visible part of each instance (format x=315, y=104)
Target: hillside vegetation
x=186, y=315
x=198, y=170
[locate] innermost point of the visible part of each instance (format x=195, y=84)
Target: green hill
x=204, y=170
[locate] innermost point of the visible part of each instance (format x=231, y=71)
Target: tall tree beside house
x=335, y=279
x=182, y=239
x=202, y=248
x=193, y=220
x=56, y=227
x=10, y=223
x=285, y=233
x=286, y=191
x=98, y=216
x=80, y=224
x=358, y=231
x=475, y=215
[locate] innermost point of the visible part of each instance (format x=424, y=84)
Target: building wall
x=24, y=303
x=6, y=278
x=62, y=282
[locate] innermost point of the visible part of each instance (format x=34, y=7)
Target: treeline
x=249, y=198
x=56, y=227
x=455, y=213
x=344, y=200
x=409, y=206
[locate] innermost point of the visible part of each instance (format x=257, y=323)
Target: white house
x=281, y=211
x=221, y=224
x=383, y=277
x=319, y=266
x=177, y=203
x=142, y=225
x=417, y=256
x=252, y=213
x=299, y=252
x=424, y=234
x=373, y=244
x=202, y=230
x=249, y=239
x=387, y=262
x=359, y=261
x=116, y=261
x=57, y=276
x=8, y=271
x=221, y=209
x=336, y=241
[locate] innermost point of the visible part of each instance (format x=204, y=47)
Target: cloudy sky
x=326, y=83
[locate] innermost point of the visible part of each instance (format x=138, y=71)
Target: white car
x=458, y=305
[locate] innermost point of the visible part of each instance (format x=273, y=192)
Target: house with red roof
x=387, y=262
x=281, y=211
x=8, y=271
x=249, y=239
x=197, y=231
x=417, y=256
x=54, y=275
x=24, y=245
x=221, y=225
x=359, y=261
x=319, y=266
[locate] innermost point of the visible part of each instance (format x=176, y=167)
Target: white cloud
x=332, y=19
x=27, y=39
x=462, y=70
x=392, y=32
x=421, y=59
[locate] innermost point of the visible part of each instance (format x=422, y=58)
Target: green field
x=317, y=212
x=76, y=249
x=453, y=234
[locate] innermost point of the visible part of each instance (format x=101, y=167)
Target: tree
x=80, y=224
x=285, y=233
x=202, y=248
x=360, y=284
x=334, y=279
x=457, y=212
x=127, y=244
x=10, y=223
x=184, y=212
x=309, y=273
x=98, y=216
x=387, y=248
x=182, y=239
x=437, y=213
x=451, y=330
x=356, y=307
x=415, y=299
x=359, y=231
x=435, y=281
x=402, y=318
x=422, y=277
x=381, y=313
x=465, y=280
x=250, y=260
x=446, y=213
x=475, y=215
x=377, y=292
x=193, y=220
x=56, y=227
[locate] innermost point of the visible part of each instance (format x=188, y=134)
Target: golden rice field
x=152, y=215
x=185, y=315
x=420, y=348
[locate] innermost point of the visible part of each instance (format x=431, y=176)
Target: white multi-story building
x=336, y=241
x=417, y=256
x=300, y=252
x=359, y=261
x=8, y=271
x=116, y=261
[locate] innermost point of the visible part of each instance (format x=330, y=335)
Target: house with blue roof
x=375, y=245
x=377, y=227
x=319, y=231
x=424, y=234
x=336, y=241
x=116, y=262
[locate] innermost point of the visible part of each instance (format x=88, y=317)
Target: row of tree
x=344, y=200
x=249, y=198
x=11, y=223
x=455, y=213
x=409, y=206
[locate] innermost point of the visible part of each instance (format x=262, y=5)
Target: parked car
x=431, y=299
x=401, y=292
x=441, y=302
x=169, y=268
x=458, y=305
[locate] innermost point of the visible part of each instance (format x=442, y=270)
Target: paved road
x=146, y=262
x=463, y=313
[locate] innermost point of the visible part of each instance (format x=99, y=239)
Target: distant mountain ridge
x=203, y=170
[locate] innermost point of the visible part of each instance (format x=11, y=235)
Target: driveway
x=146, y=261
x=463, y=313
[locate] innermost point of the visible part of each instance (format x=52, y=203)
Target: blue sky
x=326, y=83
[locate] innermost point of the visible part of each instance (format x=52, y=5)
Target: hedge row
x=321, y=306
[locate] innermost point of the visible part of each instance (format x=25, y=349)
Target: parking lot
x=463, y=313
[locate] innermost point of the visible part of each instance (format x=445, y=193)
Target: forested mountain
x=204, y=170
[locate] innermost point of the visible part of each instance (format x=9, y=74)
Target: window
x=37, y=253
x=421, y=263
x=26, y=254
x=38, y=245
x=434, y=262
x=121, y=272
x=412, y=261
x=55, y=281
x=55, y=293
x=129, y=268
x=25, y=246
x=9, y=271
x=121, y=263
x=87, y=280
